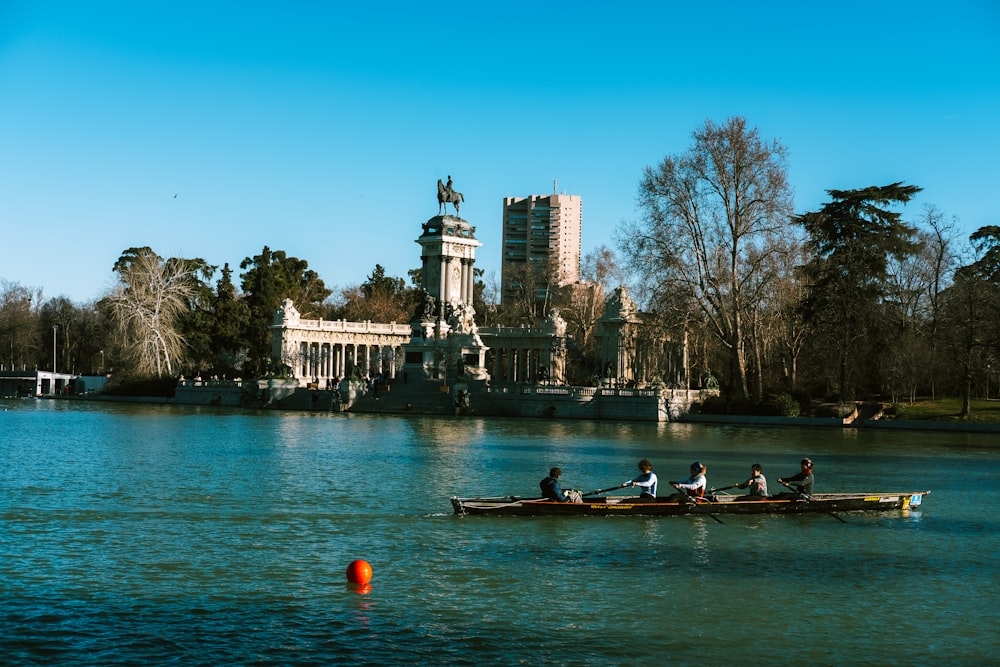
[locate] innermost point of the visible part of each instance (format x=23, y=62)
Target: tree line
x=165, y=317
x=845, y=302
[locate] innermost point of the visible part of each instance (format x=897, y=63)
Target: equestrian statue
x=447, y=195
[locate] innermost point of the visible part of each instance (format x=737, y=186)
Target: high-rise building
x=541, y=243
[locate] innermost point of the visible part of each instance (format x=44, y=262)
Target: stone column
x=467, y=281
x=443, y=288
x=470, y=274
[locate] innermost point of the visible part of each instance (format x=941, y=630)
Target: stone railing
x=344, y=326
x=582, y=392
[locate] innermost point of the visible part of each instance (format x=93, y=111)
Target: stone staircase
x=416, y=396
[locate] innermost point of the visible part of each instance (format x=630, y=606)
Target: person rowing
x=801, y=482
x=757, y=483
x=693, y=488
x=645, y=481
x=552, y=489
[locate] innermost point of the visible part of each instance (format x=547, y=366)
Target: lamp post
x=55, y=327
x=102, y=361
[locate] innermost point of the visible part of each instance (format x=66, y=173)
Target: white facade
x=323, y=350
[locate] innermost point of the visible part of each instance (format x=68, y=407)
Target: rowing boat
x=720, y=504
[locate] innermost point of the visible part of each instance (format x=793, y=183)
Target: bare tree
x=972, y=311
x=19, y=315
x=940, y=237
x=792, y=328
x=711, y=216
x=582, y=304
x=146, y=305
x=601, y=266
x=527, y=293
x=774, y=339
x=904, y=311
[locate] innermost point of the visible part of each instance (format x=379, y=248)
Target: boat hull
x=634, y=506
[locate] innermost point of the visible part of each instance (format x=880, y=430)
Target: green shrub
x=781, y=405
x=803, y=398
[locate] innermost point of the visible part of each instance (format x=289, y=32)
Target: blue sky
x=320, y=128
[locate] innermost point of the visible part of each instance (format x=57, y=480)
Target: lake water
x=185, y=536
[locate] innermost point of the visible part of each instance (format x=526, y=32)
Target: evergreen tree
x=270, y=278
x=852, y=238
x=229, y=320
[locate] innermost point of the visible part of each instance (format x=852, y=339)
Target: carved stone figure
x=447, y=195
x=426, y=307
x=287, y=314
x=554, y=323
x=620, y=305
x=463, y=319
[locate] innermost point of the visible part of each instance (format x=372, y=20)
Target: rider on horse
x=447, y=194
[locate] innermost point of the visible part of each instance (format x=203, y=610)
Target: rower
x=693, y=487
x=801, y=482
x=757, y=483
x=645, y=481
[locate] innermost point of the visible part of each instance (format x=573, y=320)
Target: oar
x=694, y=500
x=711, y=514
x=723, y=488
x=809, y=499
x=600, y=491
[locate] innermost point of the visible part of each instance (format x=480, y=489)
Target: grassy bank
x=948, y=409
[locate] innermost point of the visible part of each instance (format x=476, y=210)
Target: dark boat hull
x=633, y=506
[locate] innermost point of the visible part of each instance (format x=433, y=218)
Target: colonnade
x=522, y=355
x=323, y=350
x=327, y=361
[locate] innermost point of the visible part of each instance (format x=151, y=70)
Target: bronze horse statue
x=446, y=196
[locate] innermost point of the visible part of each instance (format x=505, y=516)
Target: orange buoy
x=359, y=572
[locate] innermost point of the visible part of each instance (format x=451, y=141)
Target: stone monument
x=616, y=335
x=445, y=342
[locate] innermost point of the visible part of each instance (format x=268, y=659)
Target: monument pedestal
x=438, y=352
x=444, y=343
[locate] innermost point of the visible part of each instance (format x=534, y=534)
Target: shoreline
x=686, y=418
x=833, y=422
